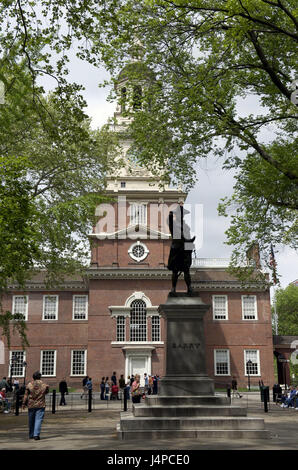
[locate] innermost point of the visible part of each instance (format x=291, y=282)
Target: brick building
x=108, y=320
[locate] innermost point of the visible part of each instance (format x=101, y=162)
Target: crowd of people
x=36, y=390
x=10, y=385
x=7, y=388
x=113, y=388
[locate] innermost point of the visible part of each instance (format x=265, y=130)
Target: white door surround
x=138, y=360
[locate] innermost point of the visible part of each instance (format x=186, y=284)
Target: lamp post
x=248, y=364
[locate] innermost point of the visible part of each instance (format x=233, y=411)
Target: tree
x=19, y=236
x=287, y=310
x=52, y=164
x=210, y=58
x=52, y=176
x=59, y=163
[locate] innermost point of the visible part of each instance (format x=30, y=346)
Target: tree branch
x=275, y=79
x=246, y=16
x=235, y=129
x=287, y=12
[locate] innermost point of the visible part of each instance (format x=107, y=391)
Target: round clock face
x=138, y=251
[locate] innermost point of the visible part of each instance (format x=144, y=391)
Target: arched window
x=138, y=321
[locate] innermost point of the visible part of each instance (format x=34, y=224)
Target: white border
x=27, y=304
x=121, y=316
x=71, y=363
x=57, y=309
x=258, y=362
x=55, y=362
x=229, y=362
x=9, y=364
x=213, y=307
x=157, y=315
x=137, y=203
x=255, y=305
x=86, y=309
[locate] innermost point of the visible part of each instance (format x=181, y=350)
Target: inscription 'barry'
x=189, y=346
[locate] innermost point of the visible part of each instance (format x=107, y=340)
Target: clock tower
x=130, y=244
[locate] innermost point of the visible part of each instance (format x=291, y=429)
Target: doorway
x=138, y=366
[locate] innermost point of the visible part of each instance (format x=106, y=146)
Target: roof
x=284, y=339
x=39, y=280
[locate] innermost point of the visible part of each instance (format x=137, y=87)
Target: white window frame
x=56, y=310
x=85, y=363
x=138, y=331
x=26, y=304
x=255, y=308
x=11, y=353
x=86, y=307
x=228, y=362
x=246, y=358
x=41, y=362
x=152, y=329
x=135, y=219
x=226, y=315
x=123, y=324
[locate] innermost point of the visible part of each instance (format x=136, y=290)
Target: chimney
x=253, y=255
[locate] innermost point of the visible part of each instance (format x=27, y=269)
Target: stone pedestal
x=186, y=405
x=185, y=352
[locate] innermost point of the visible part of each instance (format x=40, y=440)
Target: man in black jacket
x=63, y=390
x=180, y=257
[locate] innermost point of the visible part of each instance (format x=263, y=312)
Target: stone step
x=193, y=434
x=187, y=411
x=153, y=400
x=129, y=422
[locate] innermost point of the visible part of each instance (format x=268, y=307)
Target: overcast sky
x=213, y=182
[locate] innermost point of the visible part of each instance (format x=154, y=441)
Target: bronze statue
x=180, y=257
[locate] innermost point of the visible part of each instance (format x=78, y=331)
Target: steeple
x=131, y=87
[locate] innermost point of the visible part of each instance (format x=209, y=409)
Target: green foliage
x=14, y=324
x=19, y=235
x=210, y=61
x=52, y=164
x=287, y=310
x=51, y=190
x=264, y=206
x=205, y=60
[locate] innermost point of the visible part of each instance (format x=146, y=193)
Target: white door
x=138, y=366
